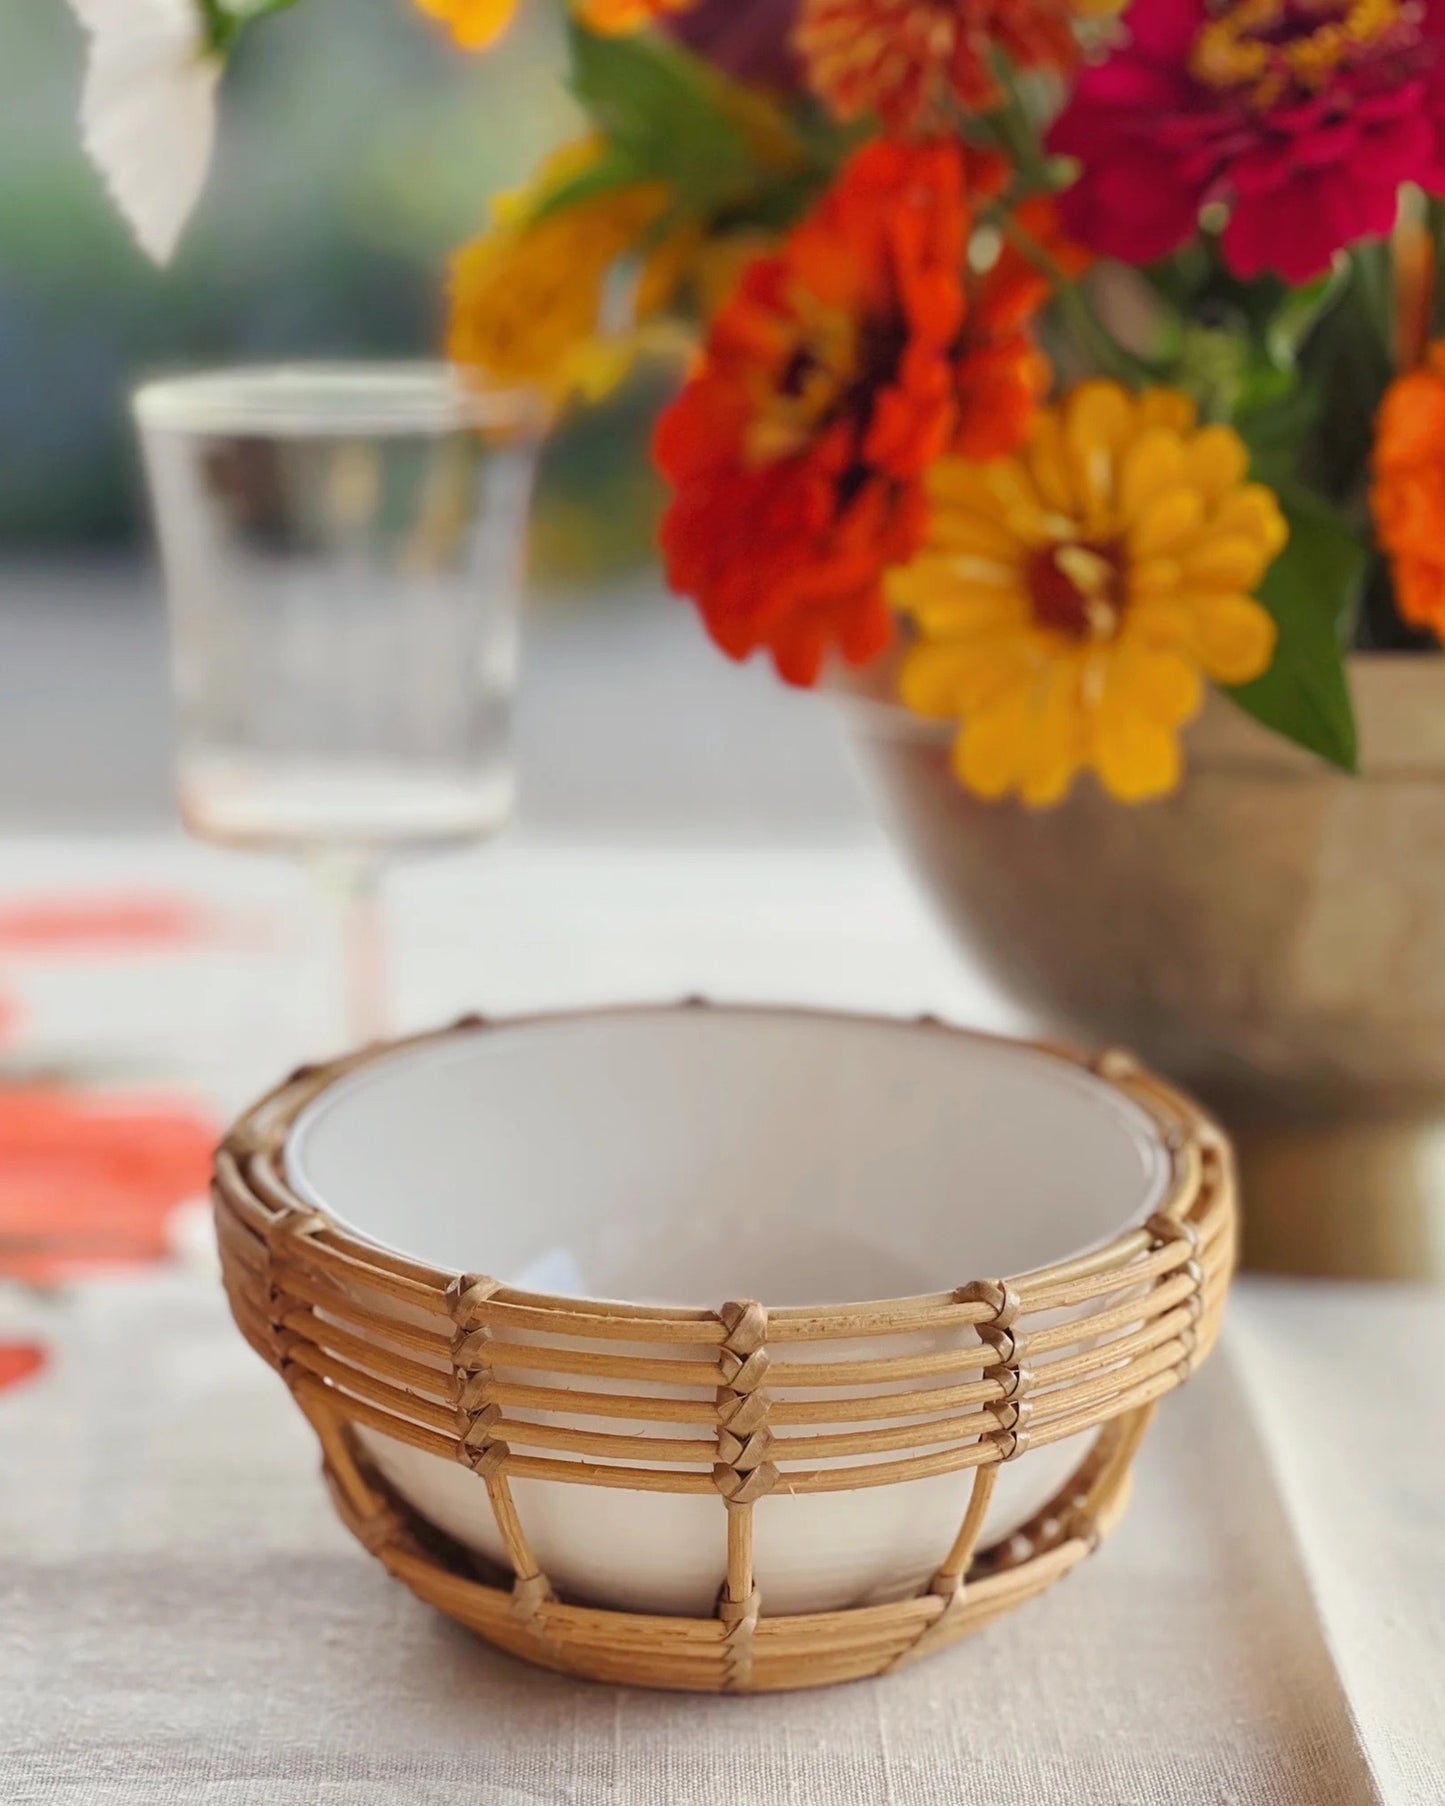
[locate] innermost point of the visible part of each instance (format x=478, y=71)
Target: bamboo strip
x=628, y=1479
x=1060, y=1413
x=955, y=1564
x=367, y=1355
x=586, y=1363
x=352, y=1380
x=603, y=1404
x=884, y=1404
x=882, y=1369
x=606, y=1445
x=901, y=1436
x=1106, y=1354
x=330, y=1304
x=356, y=1410
x=739, y=1582
x=889, y=1473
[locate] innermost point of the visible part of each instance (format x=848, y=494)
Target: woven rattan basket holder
x=364, y=1337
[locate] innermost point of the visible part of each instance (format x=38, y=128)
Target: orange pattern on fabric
x=89, y=1182
x=19, y=1361
x=98, y=924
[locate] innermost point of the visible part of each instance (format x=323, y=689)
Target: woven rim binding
x=364, y=1337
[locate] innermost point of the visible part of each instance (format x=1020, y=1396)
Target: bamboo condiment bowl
x=462, y=1253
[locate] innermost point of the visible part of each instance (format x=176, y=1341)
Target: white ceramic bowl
x=690, y=1156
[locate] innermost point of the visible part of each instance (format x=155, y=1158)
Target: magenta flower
x=1300, y=118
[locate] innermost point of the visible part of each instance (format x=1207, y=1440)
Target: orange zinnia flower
x=840, y=369
x=1408, y=494
x=907, y=60
x=616, y=17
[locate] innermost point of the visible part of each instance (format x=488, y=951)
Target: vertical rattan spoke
x=1010, y=1438
x=486, y=1454
x=282, y=1232
x=951, y=1575
x=742, y=1474
x=1108, y=1481
x=369, y=1515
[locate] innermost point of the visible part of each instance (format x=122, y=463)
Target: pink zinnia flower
x=1300, y=117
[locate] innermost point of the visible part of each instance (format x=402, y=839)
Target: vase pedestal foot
x=1345, y=1200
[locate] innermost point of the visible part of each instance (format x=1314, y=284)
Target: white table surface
x=181, y=1620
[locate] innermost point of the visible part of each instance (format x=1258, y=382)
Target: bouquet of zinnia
x=1070, y=360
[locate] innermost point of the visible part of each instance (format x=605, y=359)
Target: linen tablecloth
x=182, y=1620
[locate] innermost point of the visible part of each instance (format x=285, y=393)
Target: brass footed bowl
x=1271, y=937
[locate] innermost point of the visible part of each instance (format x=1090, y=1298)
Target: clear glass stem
x=353, y=883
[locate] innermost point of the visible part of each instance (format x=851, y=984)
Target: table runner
x=181, y=1619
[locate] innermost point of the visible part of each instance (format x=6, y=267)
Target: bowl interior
x=691, y=1155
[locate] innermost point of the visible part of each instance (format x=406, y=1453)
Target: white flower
x=148, y=111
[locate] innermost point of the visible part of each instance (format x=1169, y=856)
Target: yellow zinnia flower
x=474, y=24
x=529, y=298
x=1071, y=599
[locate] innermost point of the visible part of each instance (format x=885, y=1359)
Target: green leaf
x=611, y=172
x=665, y=117
x=1310, y=590
x=1300, y=311
x=1274, y=427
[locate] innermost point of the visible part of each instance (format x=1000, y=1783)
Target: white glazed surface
x=691, y=1156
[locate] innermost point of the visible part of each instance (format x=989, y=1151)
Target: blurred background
x=357, y=149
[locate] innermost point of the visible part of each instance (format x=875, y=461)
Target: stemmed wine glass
x=342, y=547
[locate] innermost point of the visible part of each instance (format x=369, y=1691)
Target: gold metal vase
x=1272, y=936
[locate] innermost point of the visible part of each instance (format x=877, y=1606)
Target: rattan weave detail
x=365, y=1337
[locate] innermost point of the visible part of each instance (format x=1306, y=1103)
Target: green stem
x=1016, y=134
x=1372, y=272
x=1103, y=349
x=225, y=20
x=221, y=27
x=1349, y=366
x=1435, y=225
